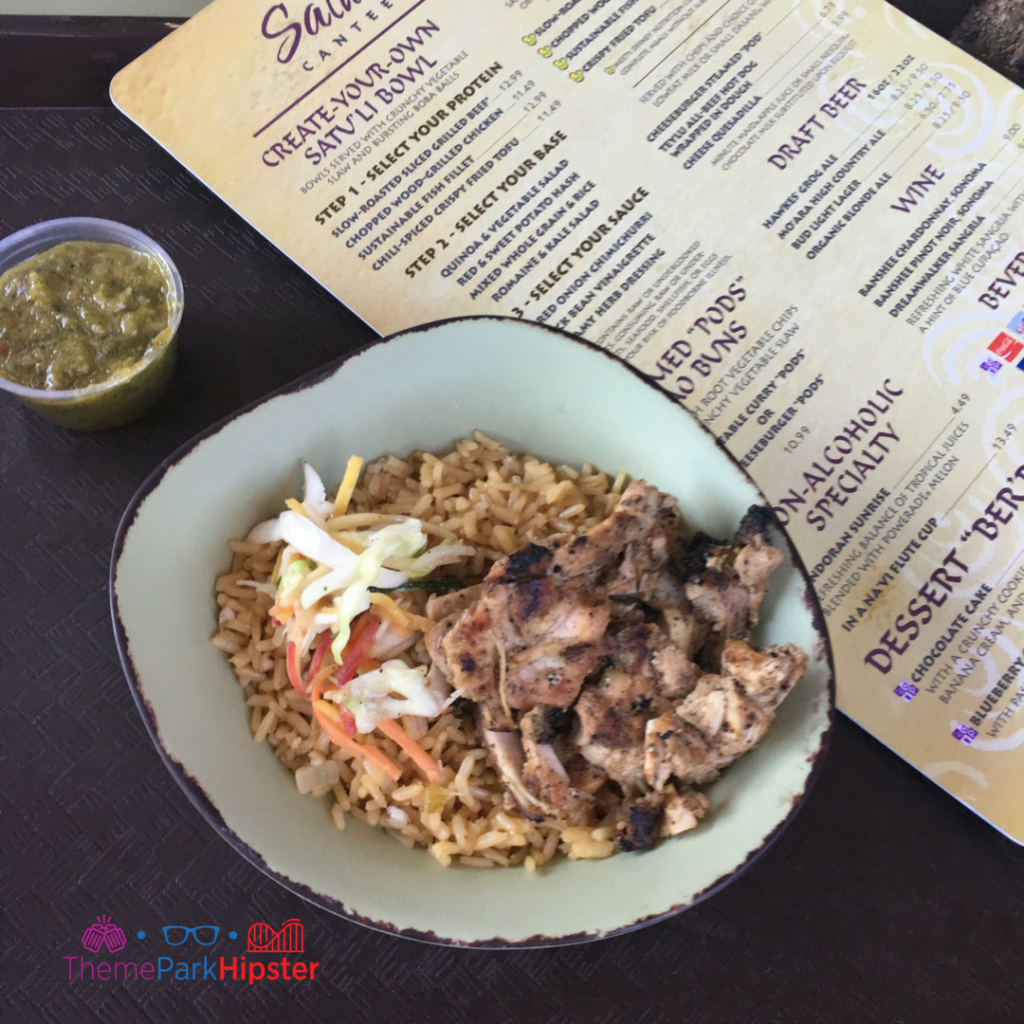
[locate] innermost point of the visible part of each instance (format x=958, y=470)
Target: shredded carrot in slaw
x=323, y=675
x=329, y=718
x=398, y=616
x=420, y=757
x=348, y=485
x=292, y=664
x=330, y=721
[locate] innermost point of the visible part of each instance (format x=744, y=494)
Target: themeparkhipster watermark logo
x=270, y=954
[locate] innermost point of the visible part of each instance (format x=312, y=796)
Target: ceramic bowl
x=539, y=391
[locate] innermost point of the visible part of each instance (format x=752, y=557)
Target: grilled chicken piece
x=583, y=776
x=545, y=775
x=766, y=675
x=532, y=562
x=682, y=810
x=724, y=716
x=674, y=748
x=668, y=591
x=612, y=717
x=726, y=583
x=755, y=558
x=544, y=609
x=648, y=650
x=658, y=815
x=636, y=540
x=445, y=610
x=473, y=657
x=519, y=646
x=506, y=753
x=683, y=629
x=630, y=546
x=533, y=772
x=640, y=823
x=440, y=606
x=720, y=709
x=647, y=672
x=549, y=673
x=667, y=605
x=529, y=639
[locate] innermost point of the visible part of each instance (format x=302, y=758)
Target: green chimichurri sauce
x=81, y=313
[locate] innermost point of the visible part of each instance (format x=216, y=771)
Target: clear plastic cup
x=123, y=398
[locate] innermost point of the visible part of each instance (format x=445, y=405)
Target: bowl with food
x=477, y=637
x=89, y=315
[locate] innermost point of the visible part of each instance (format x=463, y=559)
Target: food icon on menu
x=906, y=691
x=1006, y=347
x=965, y=734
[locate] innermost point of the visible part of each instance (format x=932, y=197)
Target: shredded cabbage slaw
x=327, y=584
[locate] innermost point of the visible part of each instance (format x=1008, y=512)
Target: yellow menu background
x=803, y=219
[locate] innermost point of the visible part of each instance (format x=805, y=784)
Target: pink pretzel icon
x=104, y=933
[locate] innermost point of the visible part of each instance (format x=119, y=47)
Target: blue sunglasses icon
x=204, y=934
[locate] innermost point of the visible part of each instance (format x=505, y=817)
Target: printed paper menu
x=802, y=219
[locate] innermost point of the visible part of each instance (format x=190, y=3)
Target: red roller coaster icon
x=263, y=939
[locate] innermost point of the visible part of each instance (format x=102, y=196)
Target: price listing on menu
x=804, y=219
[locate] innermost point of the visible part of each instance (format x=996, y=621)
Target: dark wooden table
x=884, y=901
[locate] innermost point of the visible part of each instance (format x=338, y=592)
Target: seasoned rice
x=479, y=494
